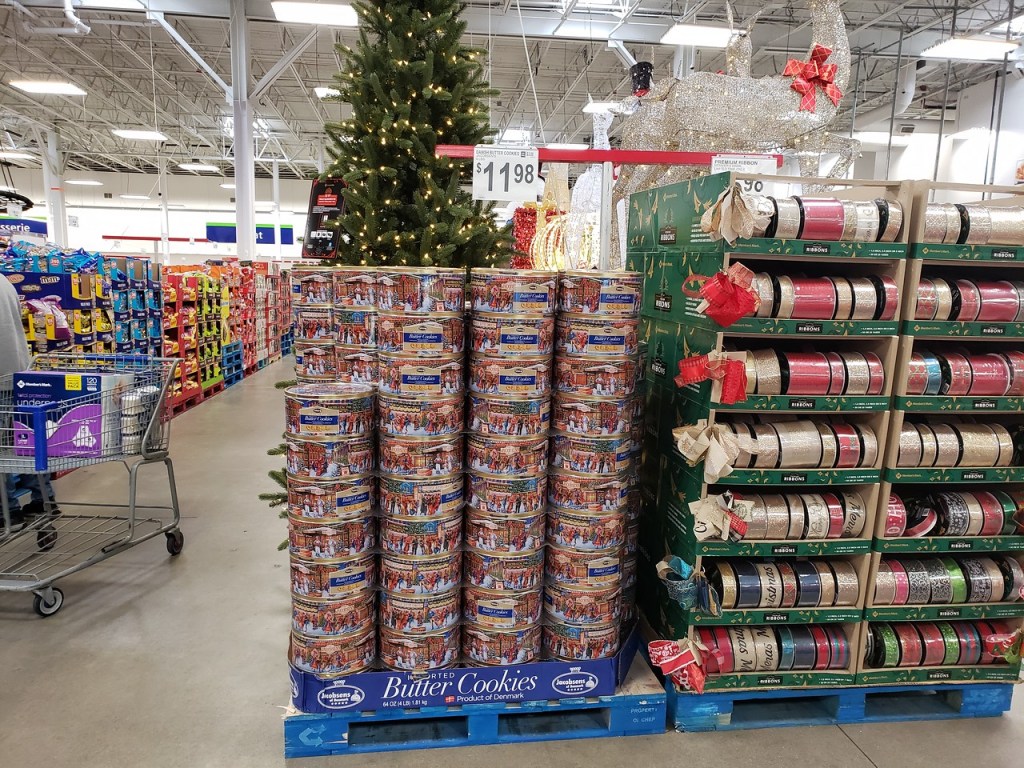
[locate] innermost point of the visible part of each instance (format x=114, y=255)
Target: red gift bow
x=732, y=374
x=683, y=667
x=812, y=74
x=728, y=295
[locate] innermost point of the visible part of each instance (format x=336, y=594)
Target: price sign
x=764, y=165
x=503, y=173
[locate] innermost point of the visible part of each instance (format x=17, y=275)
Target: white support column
x=277, y=208
x=53, y=181
x=164, y=256
x=245, y=168
x=683, y=61
x=605, y=220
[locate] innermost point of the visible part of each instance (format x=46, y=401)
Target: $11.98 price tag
x=504, y=173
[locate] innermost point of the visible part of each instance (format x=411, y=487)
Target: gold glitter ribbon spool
x=787, y=297
x=829, y=446
x=777, y=515
x=828, y=584
x=844, y=297
x=953, y=223
x=910, y=447
x=799, y=444
x=766, y=371
x=861, y=220
x=729, y=585
x=847, y=583
x=817, y=516
x=935, y=223
x=975, y=515
x=929, y=446
x=948, y=442
x=980, y=446
x=797, y=516
x=894, y=224
x=1005, y=440
x=980, y=231
x=1007, y=226
x=868, y=445
x=885, y=585
x=757, y=524
x=995, y=575
x=762, y=285
x=865, y=299
x=788, y=227
x=751, y=371
x=767, y=446
x=858, y=374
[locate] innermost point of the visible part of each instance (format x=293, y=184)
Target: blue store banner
x=10, y=227
x=225, y=233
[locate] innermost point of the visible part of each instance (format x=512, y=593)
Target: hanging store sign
x=323, y=230
x=225, y=233
x=10, y=227
x=503, y=173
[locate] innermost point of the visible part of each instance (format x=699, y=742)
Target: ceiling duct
x=78, y=27
x=906, y=87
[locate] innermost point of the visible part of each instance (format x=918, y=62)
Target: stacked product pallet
x=244, y=297
x=181, y=337
x=804, y=601
x=261, y=283
x=284, y=314
x=275, y=321
x=590, y=578
x=511, y=342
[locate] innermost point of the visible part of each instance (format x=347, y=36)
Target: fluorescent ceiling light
x=567, y=146
x=1015, y=26
x=324, y=92
x=199, y=167
x=84, y=182
x=880, y=137
x=134, y=197
x=976, y=48
x=697, y=35
x=16, y=156
x=515, y=136
x=597, y=107
x=971, y=133
x=114, y=5
x=227, y=185
x=138, y=135
x=48, y=87
x=329, y=14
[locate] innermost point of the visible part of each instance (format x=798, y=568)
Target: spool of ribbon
x=728, y=368
x=734, y=215
x=680, y=660
x=715, y=445
x=719, y=517
x=1005, y=646
x=812, y=74
x=727, y=296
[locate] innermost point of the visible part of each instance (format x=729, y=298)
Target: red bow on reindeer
x=812, y=74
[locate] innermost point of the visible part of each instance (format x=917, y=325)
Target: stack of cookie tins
x=817, y=353
x=313, y=322
x=948, y=541
x=512, y=331
x=589, y=575
x=329, y=436
x=420, y=408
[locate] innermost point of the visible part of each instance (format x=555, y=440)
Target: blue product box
x=71, y=291
x=140, y=330
x=155, y=328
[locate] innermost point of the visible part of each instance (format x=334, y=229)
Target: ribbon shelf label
x=502, y=173
x=1006, y=254
x=973, y=475
x=818, y=249
x=809, y=328
x=993, y=330
x=960, y=545
x=986, y=405
x=663, y=302
x=783, y=549
x=949, y=613
x=777, y=618
x=794, y=477
x=802, y=404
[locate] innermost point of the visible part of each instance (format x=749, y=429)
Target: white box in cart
x=90, y=428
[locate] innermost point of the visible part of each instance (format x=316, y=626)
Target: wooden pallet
x=637, y=709
x=752, y=709
x=213, y=389
x=180, y=406
x=231, y=380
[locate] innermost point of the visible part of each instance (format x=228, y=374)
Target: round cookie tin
x=506, y=496
x=327, y=458
x=316, y=362
x=355, y=287
x=437, y=334
x=629, y=565
x=355, y=613
x=421, y=497
x=419, y=653
x=513, y=572
x=415, y=575
x=501, y=610
x=322, y=540
x=314, y=323
x=501, y=648
x=509, y=417
x=515, y=376
x=596, y=336
x=421, y=535
x=417, y=457
x=418, y=614
x=582, y=530
x=571, y=491
x=570, y=605
x=591, y=455
x=584, y=376
x=584, y=568
x=328, y=410
x=507, y=456
x=335, y=500
x=505, y=335
x=504, y=533
x=574, y=643
x=356, y=327
x=316, y=580
x=600, y=293
x=592, y=416
x=312, y=286
x=422, y=417
x=528, y=292
x=335, y=655
x=356, y=365
x=419, y=377
x=423, y=290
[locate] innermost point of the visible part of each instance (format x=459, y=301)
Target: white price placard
x=504, y=173
x=764, y=165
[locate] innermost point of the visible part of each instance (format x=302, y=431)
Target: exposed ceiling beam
x=281, y=65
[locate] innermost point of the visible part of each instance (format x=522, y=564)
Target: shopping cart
x=121, y=416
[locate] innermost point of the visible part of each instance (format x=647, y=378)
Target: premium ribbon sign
x=323, y=231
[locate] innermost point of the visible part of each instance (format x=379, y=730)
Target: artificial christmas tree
x=412, y=85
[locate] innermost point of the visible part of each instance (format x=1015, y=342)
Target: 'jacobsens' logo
x=340, y=696
x=575, y=682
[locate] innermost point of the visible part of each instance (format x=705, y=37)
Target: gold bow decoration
x=715, y=445
x=736, y=214
x=721, y=517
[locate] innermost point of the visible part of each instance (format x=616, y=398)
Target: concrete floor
x=181, y=663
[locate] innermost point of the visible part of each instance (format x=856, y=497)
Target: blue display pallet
x=751, y=709
x=637, y=709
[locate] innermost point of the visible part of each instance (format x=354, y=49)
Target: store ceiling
x=136, y=75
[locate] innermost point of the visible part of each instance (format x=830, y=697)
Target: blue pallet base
x=751, y=709
x=638, y=709
x=230, y=381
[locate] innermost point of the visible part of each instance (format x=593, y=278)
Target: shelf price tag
x=504, y=173
x=764, y=165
